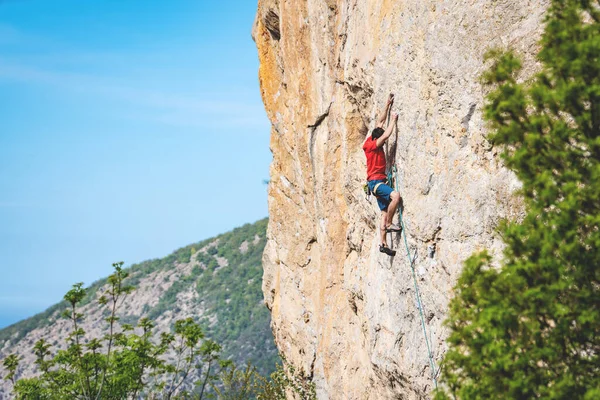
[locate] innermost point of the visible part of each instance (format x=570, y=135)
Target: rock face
x=341, y=311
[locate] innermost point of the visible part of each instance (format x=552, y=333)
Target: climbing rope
x=393, y=174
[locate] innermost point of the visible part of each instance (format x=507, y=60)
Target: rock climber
x=387, y=198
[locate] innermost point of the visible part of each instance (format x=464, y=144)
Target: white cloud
x=170, y=108
x=52, y=64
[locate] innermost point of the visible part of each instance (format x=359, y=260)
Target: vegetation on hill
x=531, y=329
x=233, y=291
x=229, y=296
x=127, y=362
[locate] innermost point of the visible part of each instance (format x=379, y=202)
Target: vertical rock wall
x=343, y=312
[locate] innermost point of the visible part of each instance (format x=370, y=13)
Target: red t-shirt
x=375, y=160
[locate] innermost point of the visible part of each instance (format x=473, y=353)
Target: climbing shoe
x=387, y=250
x=393, y=228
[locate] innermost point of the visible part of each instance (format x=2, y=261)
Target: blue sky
x=127, y=129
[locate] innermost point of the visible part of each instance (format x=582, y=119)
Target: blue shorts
x=383, y=193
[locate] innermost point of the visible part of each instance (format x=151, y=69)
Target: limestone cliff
x=343, y=312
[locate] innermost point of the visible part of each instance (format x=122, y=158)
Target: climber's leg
x=388, y=201
x=382, y=229
x=383, y=201
x=391, y=211
x=383, y=247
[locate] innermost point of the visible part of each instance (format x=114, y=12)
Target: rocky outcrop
x=341, y=311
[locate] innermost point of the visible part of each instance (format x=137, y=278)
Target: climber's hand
x=390, y=99
x=395, y=117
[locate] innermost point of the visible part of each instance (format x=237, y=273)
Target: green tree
x=285, y=382
x=531, y=329
x=121, y=364
x=237, y=384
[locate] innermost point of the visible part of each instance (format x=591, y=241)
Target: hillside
x=216, y=281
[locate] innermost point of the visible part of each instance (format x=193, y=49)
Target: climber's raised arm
x=384, y=113
x=388, y=132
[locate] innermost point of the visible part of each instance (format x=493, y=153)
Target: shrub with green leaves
x=531, y=329
x=128, y=363
x=284, y=383
x=121, y=364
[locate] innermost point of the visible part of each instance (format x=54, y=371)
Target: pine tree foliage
x=531, y=329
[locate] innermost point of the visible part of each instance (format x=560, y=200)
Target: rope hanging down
x=394, y=175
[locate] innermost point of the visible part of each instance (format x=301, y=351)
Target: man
x=387, y=198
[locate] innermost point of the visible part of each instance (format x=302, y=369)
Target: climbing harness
x=393, y=177
x=375, y=188
x=369, y=192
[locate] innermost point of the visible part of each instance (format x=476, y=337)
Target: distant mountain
x=216, y=281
